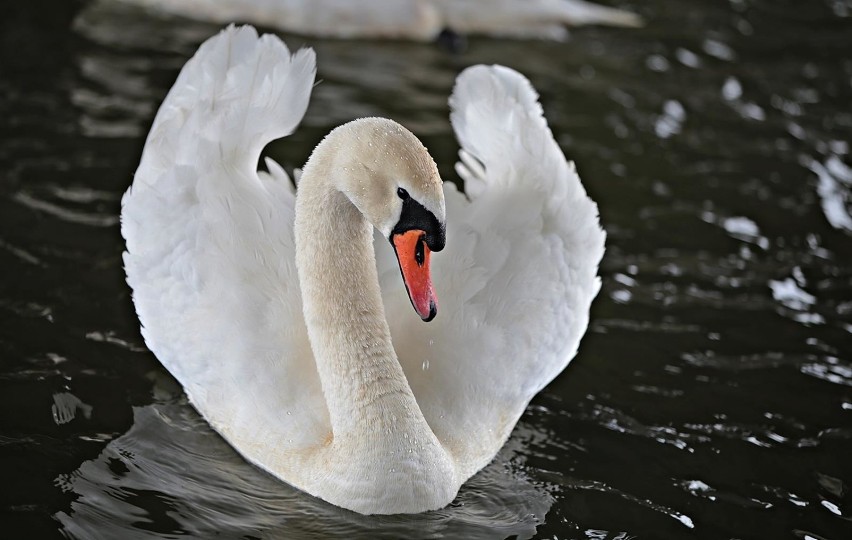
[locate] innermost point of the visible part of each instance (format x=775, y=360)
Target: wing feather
x=210, y=252
x=516, y=279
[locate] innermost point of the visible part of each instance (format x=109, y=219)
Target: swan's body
x=293, y=339
x=402, y=19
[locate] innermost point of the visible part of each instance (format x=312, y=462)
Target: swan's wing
x=515, y=280
x=210, y=253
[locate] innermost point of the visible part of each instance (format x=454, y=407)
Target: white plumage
x=403, y=19
x=211, y=260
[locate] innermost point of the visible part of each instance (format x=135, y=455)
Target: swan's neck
x=365, y=388
x=381, y=450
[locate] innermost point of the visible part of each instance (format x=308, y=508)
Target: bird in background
x=419, y=20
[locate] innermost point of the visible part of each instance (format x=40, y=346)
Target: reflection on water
x=712, y=397
x=835, y=191
x=171, y=475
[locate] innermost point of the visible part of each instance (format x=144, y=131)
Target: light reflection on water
x=171, y=475
x=710, y=399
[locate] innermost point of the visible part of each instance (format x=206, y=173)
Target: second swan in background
x=420, y=20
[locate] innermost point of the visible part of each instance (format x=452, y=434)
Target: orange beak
x=413, y=256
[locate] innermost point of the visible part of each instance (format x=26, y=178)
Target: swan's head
x=393, y=181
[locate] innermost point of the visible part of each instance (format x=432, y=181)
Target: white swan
x=292, y=339
x=419, y=20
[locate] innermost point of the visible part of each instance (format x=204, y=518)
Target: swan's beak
x=413, y=256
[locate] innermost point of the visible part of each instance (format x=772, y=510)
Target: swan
x=421, y=20
x=280, y=309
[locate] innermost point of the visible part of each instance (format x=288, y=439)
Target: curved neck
x=361, y=378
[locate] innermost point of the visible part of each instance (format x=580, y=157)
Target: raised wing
x=210, y=253
x=516, y=279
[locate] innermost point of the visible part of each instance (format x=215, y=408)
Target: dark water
x=711, y=398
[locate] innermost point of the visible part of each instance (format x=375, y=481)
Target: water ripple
x=831, y=369
x=587, y=485
x=835, y=191
x=697, y=488
x=111, y=338
x=716, y=372
x=619, y=421
x=91, y=219
x=21, y=254
x=172, y=475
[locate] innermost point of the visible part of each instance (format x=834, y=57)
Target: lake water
x=711, y=397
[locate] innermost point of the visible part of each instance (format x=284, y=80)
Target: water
x=711, y=398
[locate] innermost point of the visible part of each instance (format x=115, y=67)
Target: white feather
x=406, y=19
x=516, y=279
x=210, y=259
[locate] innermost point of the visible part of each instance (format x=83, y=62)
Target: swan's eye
x=419, y=254
x=402, y=194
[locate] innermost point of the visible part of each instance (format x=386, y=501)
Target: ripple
x=21, y=254
x=698, y=488
x=671, y=121
x=110, y=337
x=806, y=535
x=830, y=369
x=739, y=227
x=763, y=436
x=743, y=228
x=835, y=191
x=603, y=326
x=587, y=485
x=797, y=302
x=722, y=169
x=834, y=486
x=171, y=474
x=687, y=58
x=741, y=362
x=91, y=219
x=788, y=293
x=81, y=194
x=65, y=407
x=718, y=50
x=619, y=421
x=782, y=494
x=834, y=496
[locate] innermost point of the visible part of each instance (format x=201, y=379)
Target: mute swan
x=288, y=327
x=420, y=20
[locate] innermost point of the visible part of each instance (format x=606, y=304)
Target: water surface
x=711, y=398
